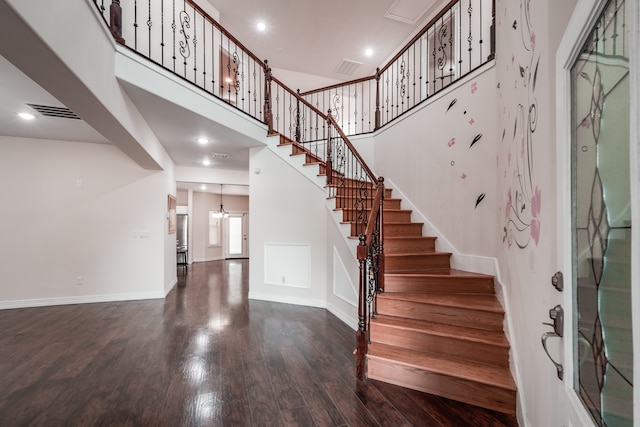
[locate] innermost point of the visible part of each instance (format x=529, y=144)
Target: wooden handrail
x=300, y=98
x=337, y=85
x=352, y=148
x=225, y=32
x=371, y=220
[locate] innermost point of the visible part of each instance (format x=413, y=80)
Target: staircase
x=437, y=330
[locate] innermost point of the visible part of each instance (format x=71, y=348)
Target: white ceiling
x=302, y=35
x=313, y=37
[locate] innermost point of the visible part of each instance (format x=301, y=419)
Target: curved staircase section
x=436, y=329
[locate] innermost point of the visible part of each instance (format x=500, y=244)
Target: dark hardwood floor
x=205, y=356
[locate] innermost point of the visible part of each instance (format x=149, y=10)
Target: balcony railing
x=453, y=44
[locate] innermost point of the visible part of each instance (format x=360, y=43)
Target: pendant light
x=221, y=213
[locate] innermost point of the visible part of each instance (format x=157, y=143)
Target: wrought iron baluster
x=254, y=91
x=149, y=24
x=242, y=76
x=135, y=24
x=162, y=33
x=173, y=27
x=185, y=24
x=480, y=36
x=213, y=60
x=470, y=38
x=450, y=61
x=195, y=49
x=204, y=53
x=460, y=37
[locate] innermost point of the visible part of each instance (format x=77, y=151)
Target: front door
x=601, y=218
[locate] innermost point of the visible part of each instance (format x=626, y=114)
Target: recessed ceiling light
x=202, y=141
x=261, y=26
x=206, y=162
x=203, y=187
x=368, y=51
x=26, y=116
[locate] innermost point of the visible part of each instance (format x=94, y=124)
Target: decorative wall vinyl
x=465, y=134
x=523, y=199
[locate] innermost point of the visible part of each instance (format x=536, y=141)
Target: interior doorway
x=237, y=235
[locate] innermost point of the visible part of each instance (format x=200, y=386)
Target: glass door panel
x=602, y=221
x=237, y=235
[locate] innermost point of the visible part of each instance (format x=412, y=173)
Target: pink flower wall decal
x=471, y=121
x=507, y=208
x=463, y=176
x=451, y=142
x=533, y=41
x=535, y=230
x=474, y=87
x=536, y=203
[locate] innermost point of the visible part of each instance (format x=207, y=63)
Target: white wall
x=72, y=210
x=429, y=158
x=289, y=211
x=81, y=75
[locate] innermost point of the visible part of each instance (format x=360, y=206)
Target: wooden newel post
x=377, y=113
x=115, y=21
x=268, y=115
x=361, y=334
x=492, y=54
x=329, y=163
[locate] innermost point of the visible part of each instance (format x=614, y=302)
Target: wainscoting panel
x=287, y=265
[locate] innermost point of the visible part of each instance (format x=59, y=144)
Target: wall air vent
x=347, y=67
x=50, y=111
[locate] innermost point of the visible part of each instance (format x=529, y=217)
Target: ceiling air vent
x=220, y=155
x=347, y=67
x=50, y=111
x=408, y=11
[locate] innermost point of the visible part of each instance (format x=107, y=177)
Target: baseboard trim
x=85, y=299
x=170, y=287
x=308, y=302
x=351, y=321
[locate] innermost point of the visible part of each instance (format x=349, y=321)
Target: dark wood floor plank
x=205, y=355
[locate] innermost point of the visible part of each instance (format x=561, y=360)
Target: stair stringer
x=475, y=263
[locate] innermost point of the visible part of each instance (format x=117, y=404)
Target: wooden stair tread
x=417, y=270
x=441, y=272
x=480, y=302
x=339, y=196
x=495, y=338
x=463, y=369
x=409, y=237
x=386, y=210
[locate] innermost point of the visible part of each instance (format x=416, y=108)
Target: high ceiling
x=314, y=37
x=305, y=36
